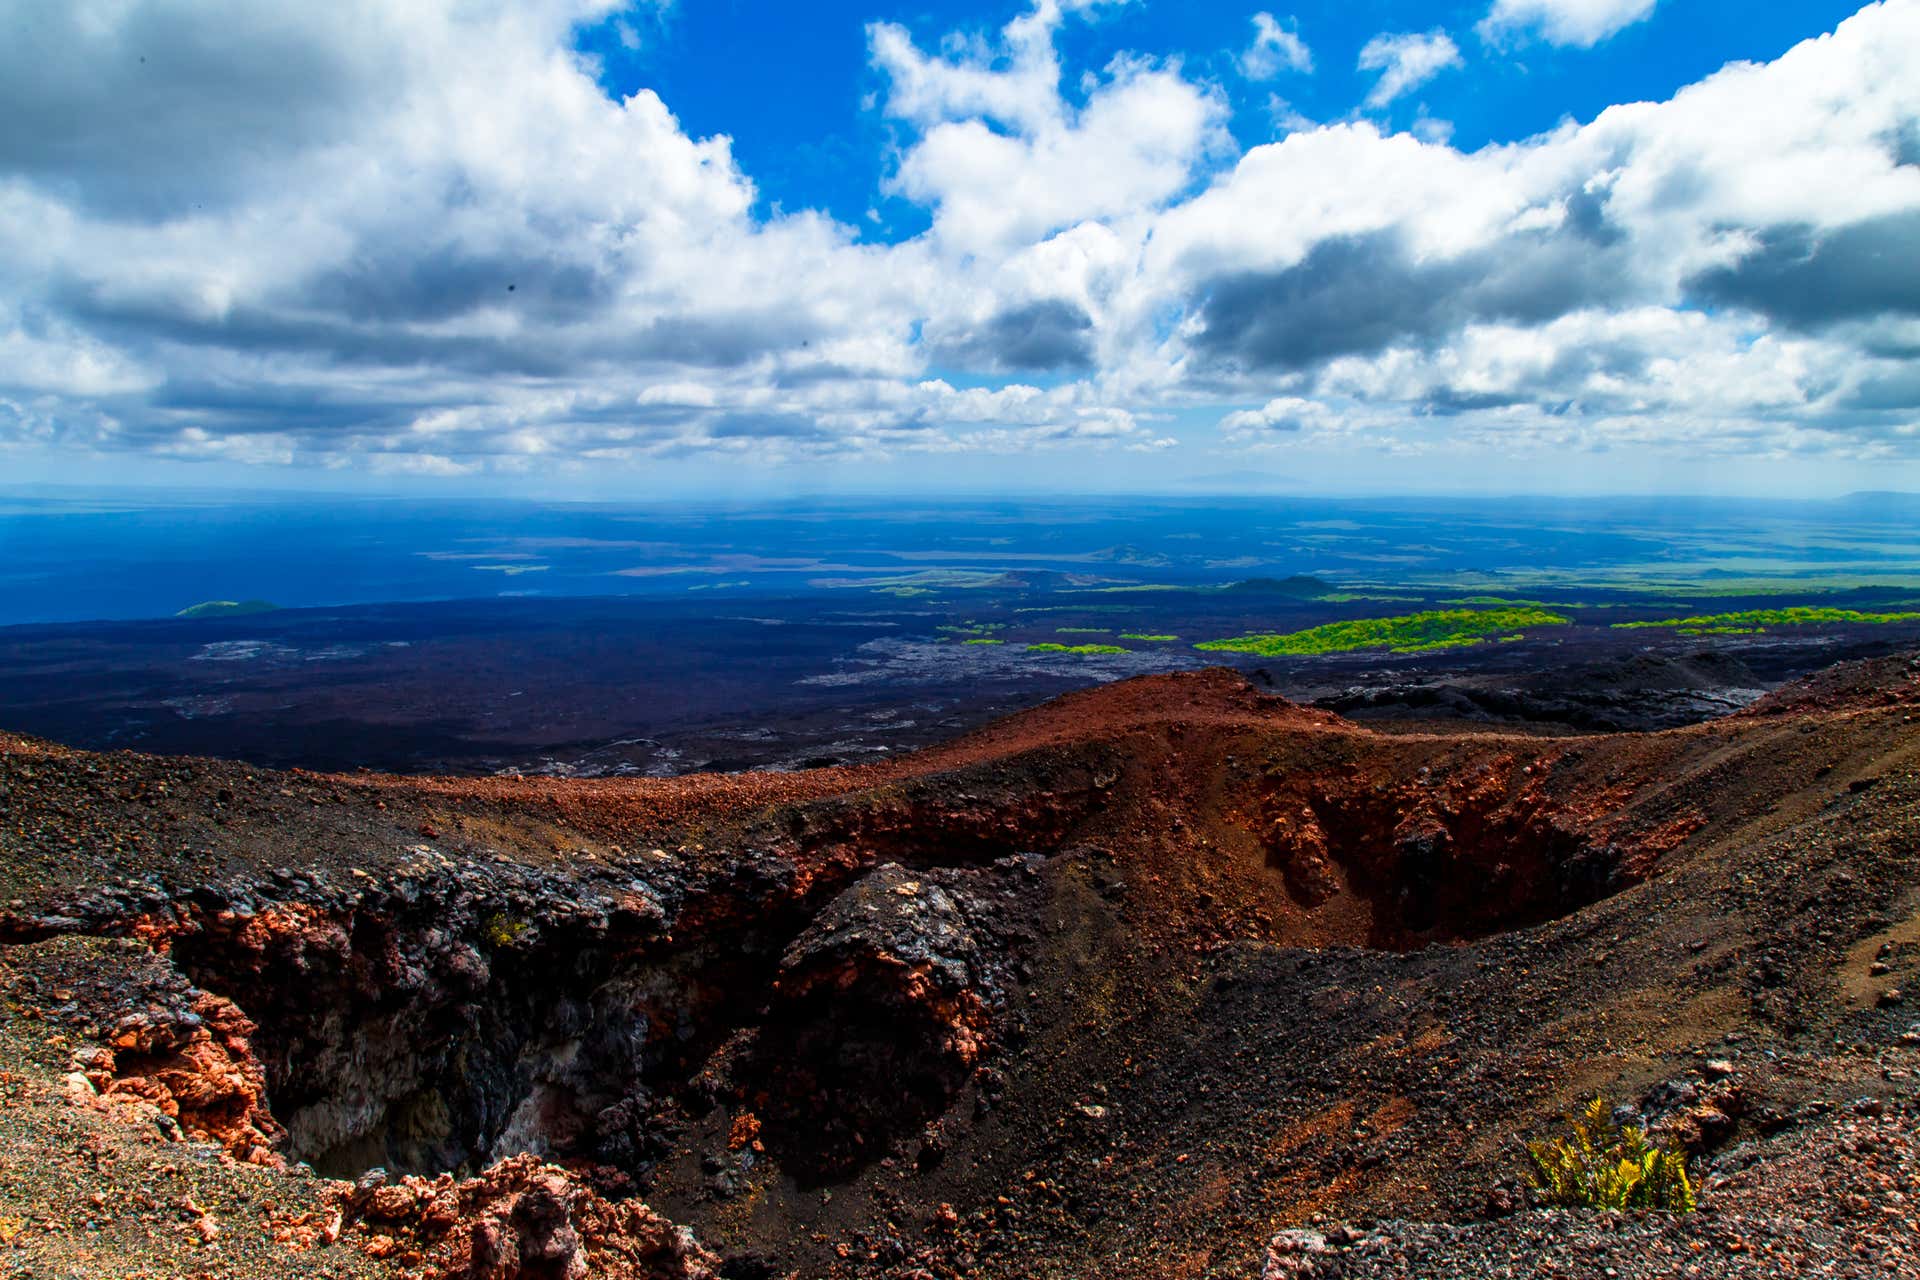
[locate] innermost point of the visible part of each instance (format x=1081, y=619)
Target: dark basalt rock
x=882, y=1007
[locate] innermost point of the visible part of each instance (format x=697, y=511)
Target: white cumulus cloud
x=1406, y=61
x=1276, y=47
x=1582, y=23
x=1003, y=157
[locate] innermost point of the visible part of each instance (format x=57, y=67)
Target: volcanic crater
x=1135, y=983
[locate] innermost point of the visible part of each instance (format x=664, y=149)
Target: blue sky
x=792, y=84
x=640, y=248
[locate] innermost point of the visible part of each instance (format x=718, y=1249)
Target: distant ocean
x=67, y=557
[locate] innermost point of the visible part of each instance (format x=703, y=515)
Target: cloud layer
x=417, y=236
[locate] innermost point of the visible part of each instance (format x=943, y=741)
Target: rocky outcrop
x=520, y=1220
x=152, y=1047
x=882, y=1008
x=453, y=1011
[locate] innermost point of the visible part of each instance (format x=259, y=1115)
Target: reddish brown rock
x=520, y=1220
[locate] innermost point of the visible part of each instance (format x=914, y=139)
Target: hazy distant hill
x=1882, y=502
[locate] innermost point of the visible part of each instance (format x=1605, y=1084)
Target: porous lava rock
x=152, y=1046
x=881, y=1009
x=521, y=1219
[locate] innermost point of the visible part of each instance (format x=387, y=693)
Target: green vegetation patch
x=985, y=640
x=1748, y=620
x=1143, y=635
x=227, y=609
x=501, y=930
x=1082, y=650
x=1601, y=1165
x=1083, y=631
x=1406, y=633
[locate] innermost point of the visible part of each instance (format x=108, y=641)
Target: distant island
x=227, y=609
x=1300, y=586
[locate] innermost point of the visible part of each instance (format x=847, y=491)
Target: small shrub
x=501, y=930
x=1601, y=1165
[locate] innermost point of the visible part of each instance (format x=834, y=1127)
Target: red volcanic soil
x=1216, y=700
x=1125, y=985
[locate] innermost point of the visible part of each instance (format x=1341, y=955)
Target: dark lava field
x=660, y=687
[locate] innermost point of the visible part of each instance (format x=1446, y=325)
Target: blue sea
x=69, y=556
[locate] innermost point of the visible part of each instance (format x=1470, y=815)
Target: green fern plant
x=1601, y=1165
